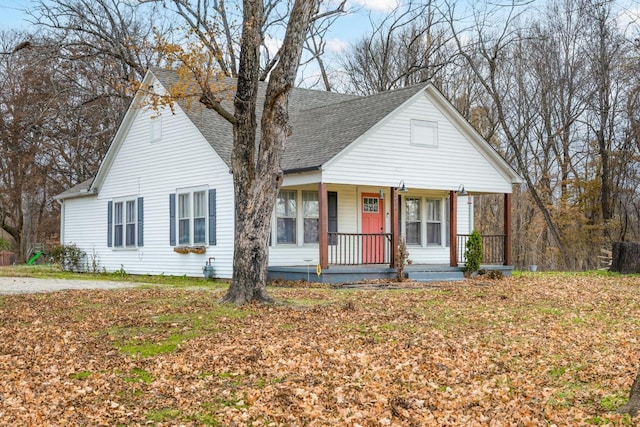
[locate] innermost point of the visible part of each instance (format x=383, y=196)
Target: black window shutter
x=109, y=224
x=212, y=216
x=332, y=214
x=140, y=222
x=172, y=219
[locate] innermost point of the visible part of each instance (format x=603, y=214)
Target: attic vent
x=155, y=128
x=424, y=133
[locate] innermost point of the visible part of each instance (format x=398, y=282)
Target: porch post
x=507, y=229
x=453, y=228
x=323, y=225
x=395, y=232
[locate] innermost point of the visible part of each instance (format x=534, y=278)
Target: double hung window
x=413, y=224
x=434, y=222
x=311, y=211
x=125, y=223
x=286, y=216
x=297, y=214
x=192, y=218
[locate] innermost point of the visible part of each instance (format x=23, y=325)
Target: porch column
x=507, y=229
x=395, y=232
x=323, y=226
x=453, y=228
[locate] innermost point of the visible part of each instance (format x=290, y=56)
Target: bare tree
x=119, y=33
x=255, y=164
x=409, y=46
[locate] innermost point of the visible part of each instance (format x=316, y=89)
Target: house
x=360, y=173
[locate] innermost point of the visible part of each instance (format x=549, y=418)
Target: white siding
x=384, y=156
x=153, y=170
x=84, y=224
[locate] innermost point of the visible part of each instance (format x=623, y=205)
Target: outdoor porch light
x=461, y=191
x=403, y=188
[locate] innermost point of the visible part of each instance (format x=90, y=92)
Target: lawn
x=525, y=351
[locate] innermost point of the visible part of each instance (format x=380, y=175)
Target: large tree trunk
x=633, y=405
x=625, y=257
x=258, y=178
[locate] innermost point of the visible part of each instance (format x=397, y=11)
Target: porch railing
x=492, y=248
x=359, y=248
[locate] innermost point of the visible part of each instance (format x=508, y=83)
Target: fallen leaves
x=547, y=350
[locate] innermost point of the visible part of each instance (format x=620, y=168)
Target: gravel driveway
x=24, y=285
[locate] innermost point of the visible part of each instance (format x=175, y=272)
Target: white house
x=360, y=172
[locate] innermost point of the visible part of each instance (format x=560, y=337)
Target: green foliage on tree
x=4, y=244
x=473, y=253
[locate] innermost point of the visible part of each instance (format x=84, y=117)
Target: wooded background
x=554, y=86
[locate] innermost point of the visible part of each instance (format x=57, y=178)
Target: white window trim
x=423, y=220
x=191, y=191
x=299, y=222
x=442, y=222
x=123, y=201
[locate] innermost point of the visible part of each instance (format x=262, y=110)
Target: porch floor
x=360, y=273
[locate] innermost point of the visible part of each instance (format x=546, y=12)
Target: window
x=125, y=223
x=199, y=218
x=370, y=204
x=434, y=222
x=413, y=223
x=184, y=218
x=130, y=239
x=192, y=217
x=286, y=214
x=117, y=225
x=424, y=133
x=311, y=211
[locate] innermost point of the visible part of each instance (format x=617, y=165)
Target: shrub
x=4, y=244
x=473, y=253
x=68, y=257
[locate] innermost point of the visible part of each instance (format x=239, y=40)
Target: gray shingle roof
x=324, y=123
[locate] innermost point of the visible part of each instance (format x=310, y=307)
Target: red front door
x=372, y=229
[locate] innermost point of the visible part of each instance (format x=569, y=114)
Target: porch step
x=435, y=276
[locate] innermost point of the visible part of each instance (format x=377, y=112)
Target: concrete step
x=435, y=276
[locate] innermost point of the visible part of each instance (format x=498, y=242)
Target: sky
x=348, y=28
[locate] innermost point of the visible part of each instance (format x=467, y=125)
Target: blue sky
x=349, y=27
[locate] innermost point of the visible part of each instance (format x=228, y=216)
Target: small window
x=286, y=213
x=370, y=204
x=434, y=222
x=424, y=133
x=311, y=211
x=413, y=224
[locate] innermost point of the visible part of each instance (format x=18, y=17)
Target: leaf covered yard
x=525, y=351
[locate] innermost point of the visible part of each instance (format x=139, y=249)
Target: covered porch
x=351, y=246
